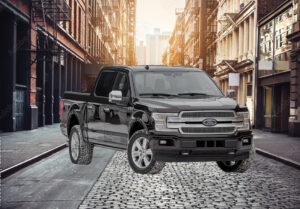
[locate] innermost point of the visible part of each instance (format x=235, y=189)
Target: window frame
x=118, y=70
x=98, y=80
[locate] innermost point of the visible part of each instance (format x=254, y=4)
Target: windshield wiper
x=157, y=94
x=194, y=94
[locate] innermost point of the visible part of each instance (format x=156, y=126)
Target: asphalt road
x=53, y=182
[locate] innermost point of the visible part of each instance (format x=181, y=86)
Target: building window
x=90, y=37
x=274, y=48
x=79, y=25
x=75, y=20
x=70, y=23
x=249, y=90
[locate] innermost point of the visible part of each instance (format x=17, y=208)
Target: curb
x=11, y=170
x=286, y=161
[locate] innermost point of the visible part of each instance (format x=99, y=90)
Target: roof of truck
x=154, y=67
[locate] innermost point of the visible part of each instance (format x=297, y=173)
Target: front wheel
x=239, y=166
x=140, y=155
x=81, y=152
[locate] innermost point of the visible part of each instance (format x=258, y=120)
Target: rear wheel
x=81, y=152
x=140, y=155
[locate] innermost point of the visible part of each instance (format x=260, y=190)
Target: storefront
x=273, y=70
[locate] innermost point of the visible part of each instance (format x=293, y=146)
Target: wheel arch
x=135, y=126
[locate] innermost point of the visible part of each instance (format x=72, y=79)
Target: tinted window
x=122, y=84
x=175, y=83
x=105, y=83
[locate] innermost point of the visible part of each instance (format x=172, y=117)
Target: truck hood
x=180, y=104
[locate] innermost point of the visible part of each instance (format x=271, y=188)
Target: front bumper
x=179, y=148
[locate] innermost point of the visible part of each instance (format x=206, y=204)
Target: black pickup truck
x=158, y=114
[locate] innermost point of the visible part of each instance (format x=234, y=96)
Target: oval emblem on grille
x=209, y=122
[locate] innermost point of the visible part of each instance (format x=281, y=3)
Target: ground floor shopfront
x=273, y=103
x=32, y=82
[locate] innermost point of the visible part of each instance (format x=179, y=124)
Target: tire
x=238, y=166
x=140, y=156
x=81, y=152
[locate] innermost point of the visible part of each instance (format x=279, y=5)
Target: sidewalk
x=16, y=147
x=278, y=145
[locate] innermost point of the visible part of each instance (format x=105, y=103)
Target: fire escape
x=49, y=13
x=131, y=33
x=211, y=35
x=98, y=21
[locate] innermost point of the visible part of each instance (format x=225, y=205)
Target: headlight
x=245, y=119
x=161, y=119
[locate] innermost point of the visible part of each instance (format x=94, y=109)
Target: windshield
x=175, y=83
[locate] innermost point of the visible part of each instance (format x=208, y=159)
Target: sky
x=152, y=14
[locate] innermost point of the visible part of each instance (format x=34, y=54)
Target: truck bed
x=78, y=96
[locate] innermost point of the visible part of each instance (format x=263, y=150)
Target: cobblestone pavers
x=268, y=184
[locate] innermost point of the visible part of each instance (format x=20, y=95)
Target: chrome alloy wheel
x=75, y=146
x=141, y=152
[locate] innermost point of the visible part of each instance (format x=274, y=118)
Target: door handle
x=106, y=109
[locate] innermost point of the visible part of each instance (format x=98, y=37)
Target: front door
x=96, y=109
x=268, y=116
x=118, y=113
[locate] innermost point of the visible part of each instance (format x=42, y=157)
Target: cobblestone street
x=268, y=184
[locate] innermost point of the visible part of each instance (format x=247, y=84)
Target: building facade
x=49, y=47
x=211, y=36
x=155, y=46
x=141, y=53
x=277, y=81
x=174, y=54
x=294, y=37
x=195, y=33
x=236, y=49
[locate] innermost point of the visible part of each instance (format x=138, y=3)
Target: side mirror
x=115, y=96
x=230, y=93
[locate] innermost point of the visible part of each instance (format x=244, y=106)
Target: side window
x=105, y=83
x=122, y=84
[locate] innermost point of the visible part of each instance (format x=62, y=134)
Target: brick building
x=52, y=46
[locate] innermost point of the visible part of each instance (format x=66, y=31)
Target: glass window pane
x=265, y=64
x=282, y=51
x=105, y=83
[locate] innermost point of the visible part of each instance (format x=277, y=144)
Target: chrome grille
x=191, y=122
x=201, y=130
x=207, y=114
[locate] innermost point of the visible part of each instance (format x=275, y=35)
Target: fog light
x=163, y=142
x=245, y=141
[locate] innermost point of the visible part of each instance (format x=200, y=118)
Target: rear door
x=119, y=112
x=97, y=109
